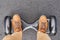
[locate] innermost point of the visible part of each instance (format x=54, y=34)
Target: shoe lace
x=17, y=24
x=43, y=25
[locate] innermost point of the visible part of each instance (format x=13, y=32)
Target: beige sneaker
x=16, y=23
x=43, y=24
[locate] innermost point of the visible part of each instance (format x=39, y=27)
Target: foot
x=43, y=24
x=16, y=23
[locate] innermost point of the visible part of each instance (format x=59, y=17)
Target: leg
x=16, y=25
x=43, y=25
x=14, y=36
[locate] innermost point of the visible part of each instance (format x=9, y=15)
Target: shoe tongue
x=43, y=24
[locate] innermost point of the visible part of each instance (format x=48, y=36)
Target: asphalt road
x=30, y=10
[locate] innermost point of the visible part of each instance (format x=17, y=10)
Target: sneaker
x=16, y=23
x=43, y=24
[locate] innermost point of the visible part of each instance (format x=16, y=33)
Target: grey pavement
x=30, y=11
